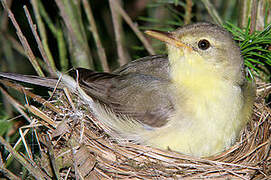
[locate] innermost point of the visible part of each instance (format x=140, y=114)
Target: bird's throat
x=191, y=73
x=200, y=83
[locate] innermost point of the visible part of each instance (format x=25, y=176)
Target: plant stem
x=188, y=12
x=42, y=31
x=101, y=51
x=212, y=11
x=50, y=66
x=30, y=54
x=123, y=59
x=33, y=169
x=134, y=27
x=70, y=12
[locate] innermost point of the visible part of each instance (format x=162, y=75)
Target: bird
x=195, y=100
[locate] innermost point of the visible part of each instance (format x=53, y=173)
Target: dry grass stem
x=188, y=12
x=253, y=16
x=51, y=67
x=8, y=174
x=139, y=34
x=79, y=48
x=118, y=31
x=15, y=104
x=23, y=40
x=42, y=31
x=33, y=169
x=100, y=49
x=212, y=11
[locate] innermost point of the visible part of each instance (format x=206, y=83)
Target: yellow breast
x=208, y=110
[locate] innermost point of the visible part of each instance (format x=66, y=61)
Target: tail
x=118, y=127
x=36, y=80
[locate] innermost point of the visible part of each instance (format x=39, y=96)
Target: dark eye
x=203, y=44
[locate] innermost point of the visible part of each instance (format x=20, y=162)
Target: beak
x=167, y=37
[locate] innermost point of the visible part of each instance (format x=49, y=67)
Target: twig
x=41, y=115
x=253, y=16
x=23, y=134
x=134, y=27
x=16, y=105
x=67, y=174
x=252, y=151
x=23, y=40
x=69, y=98
x=212, y=11
x=8, y=174
x=20, y=109
x=188, y=12
x=43, y=35
x=34, y=170
x=52, y=157
x=41, y=49
x=244, y=13
x=79, y=47
x=18, y=142
x=58, y=33
x=118, y=32
x=101, y=51
x=30, y=94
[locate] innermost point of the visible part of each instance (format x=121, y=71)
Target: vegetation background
x=49, y=35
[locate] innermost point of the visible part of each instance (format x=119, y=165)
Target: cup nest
x=73, y=144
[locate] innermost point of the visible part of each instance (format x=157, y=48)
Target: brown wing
x=157, y=66
x=140, y=96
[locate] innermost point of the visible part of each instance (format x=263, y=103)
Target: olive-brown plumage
x=195, y=100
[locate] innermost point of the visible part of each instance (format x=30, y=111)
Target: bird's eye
x=203, y=44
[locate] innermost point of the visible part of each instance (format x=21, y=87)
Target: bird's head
x=202, y=45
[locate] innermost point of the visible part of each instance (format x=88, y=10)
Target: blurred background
x=69, y=30
x=105, y=34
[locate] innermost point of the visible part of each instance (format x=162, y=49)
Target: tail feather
x=36, y=80
x=119, y=127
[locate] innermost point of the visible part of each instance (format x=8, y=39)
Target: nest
x=73, y=144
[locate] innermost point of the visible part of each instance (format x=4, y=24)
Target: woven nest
x=73, y=144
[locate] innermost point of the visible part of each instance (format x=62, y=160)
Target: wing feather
x=139, y=94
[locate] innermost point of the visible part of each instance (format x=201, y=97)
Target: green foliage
x=254, y=47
